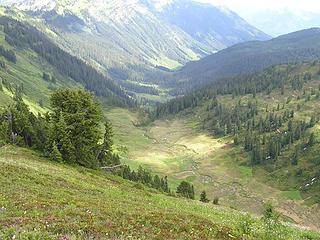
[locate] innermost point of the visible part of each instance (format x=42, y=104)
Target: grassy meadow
x=42, y=200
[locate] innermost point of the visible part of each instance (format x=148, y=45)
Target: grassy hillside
x=36, y=55
x=281, y=172
x=28, y=72
x=45, y=200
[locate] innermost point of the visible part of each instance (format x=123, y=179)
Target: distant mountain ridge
x=280, y=21
x=250, y=57
x=209, y=24
x=126, y=39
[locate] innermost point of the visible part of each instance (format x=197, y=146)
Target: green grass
x=27, y=72
x=246, y=171
x=292, y=195
x=40, y=199
x=176, y=148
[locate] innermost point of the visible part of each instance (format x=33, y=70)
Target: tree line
x=266, y=81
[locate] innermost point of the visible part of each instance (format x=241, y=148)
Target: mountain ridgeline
x=210, y=25
x=135, y=40
x=250, y=57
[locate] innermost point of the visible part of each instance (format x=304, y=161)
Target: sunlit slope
x=27, y=73
x=40, y=67
x=45, y=200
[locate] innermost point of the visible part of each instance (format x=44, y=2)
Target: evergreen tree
x=105, y=156
x=311, y=140
x=55, y=154
x=156, y=182
x=203, y=197
x=61, y=136
x=295, y=156
x=82, y=116
x=186, y=190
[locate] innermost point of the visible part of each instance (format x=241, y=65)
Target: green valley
x=108, y=131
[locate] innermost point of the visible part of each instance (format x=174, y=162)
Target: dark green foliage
x=143, y=176
x=276, y=143
x=3, y=64
x=105, y=156
x=46, y=77
x=55, y=154
x=236, y=140
x=77, y=117
x=53, y=80
x=311, y=140
x=8, y=54
x=21, y=127
x=215, y=201
x=70, y=133
x=186, y=190
x=295, y=156
x=60, y=135
x=203, y=197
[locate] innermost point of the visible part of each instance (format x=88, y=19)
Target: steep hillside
x=253, y=56
x=45, y=200
x=272, y=117
x=41, y=67
x=210, y=25
x=136, y=40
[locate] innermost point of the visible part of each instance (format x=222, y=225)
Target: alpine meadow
x=159, y=119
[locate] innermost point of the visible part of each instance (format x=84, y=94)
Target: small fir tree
x=55, y=154
x=203, y=197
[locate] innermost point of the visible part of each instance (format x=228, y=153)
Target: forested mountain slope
x=251, y=57
x=131, y=40
x=39, y=67
x=272, y=116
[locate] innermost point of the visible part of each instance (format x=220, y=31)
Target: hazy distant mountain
x=282, y=21
x=209, y=24
x=126, y=37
